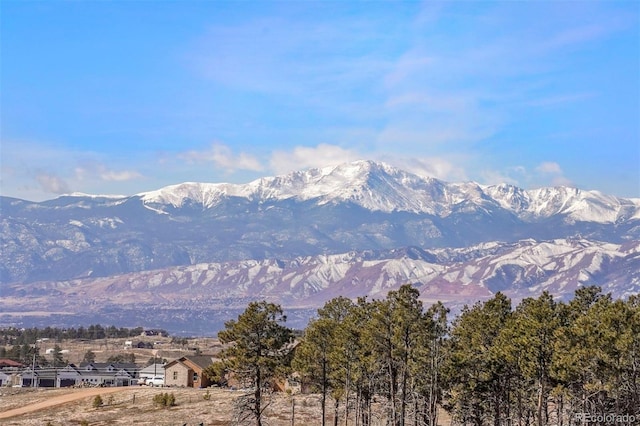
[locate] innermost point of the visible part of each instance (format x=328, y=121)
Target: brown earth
x=134, y=405
x=54, y=401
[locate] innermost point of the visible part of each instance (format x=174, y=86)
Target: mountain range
x=355, y=229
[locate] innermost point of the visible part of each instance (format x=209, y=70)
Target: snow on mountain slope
x=379, y=187
x=374, y=186
x=206, y=195
x=519, y=270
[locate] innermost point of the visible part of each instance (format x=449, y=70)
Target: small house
x=187, y=371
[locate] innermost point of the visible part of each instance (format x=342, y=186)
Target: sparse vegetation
x=97, y=402
x=165, y=399
x=190, y=408
x=129, y=357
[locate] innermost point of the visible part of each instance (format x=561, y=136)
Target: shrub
x=171, y=400
x=158, y=399
x=97, y=402
x=207, y=395
x=165, y=399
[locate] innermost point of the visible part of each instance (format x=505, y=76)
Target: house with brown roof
x=187, y=371
x=9, y=363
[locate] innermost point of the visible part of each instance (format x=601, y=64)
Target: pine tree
x=89, y=356
x=597, y=356
x=312, y=358
x=217, y=373
x=529, y=340
x=260, y=348
x=409, y=327
x=57, y=356
x=319, y=356
x=428, y=364
x=475, y=368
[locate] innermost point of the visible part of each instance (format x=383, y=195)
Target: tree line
x=544, y=362
x=19, y=345
x=20, y=336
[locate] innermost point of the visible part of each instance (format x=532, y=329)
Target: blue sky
x=128, y=96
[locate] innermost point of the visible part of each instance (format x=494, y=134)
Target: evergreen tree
x=217, y=373
x=428, y=365
x=320, y=357
x=477, y=373
x=89, y=356
x=259, y=351
x=529, y=342
x=57, y=360
x=409, y=327
x=597, y=357
x=358, y=372
x=312, y=358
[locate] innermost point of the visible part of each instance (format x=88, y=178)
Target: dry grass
x=135, y=406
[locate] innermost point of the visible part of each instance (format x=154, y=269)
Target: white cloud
x=549, y=167
x=448, y=170
x=35, y=170
x=119, y=176
x=550, y=173
x=99, y=171
x=222, y=156
x=303, y=157
x=496, y=177
x=51, y=183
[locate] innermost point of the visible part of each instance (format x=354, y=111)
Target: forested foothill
x=542, y=362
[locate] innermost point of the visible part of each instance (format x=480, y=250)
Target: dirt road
x=73, y=395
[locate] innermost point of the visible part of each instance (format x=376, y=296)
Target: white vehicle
x=155, y=381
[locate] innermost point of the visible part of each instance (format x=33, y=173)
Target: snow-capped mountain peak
x=372, y=185
x=377, y=186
